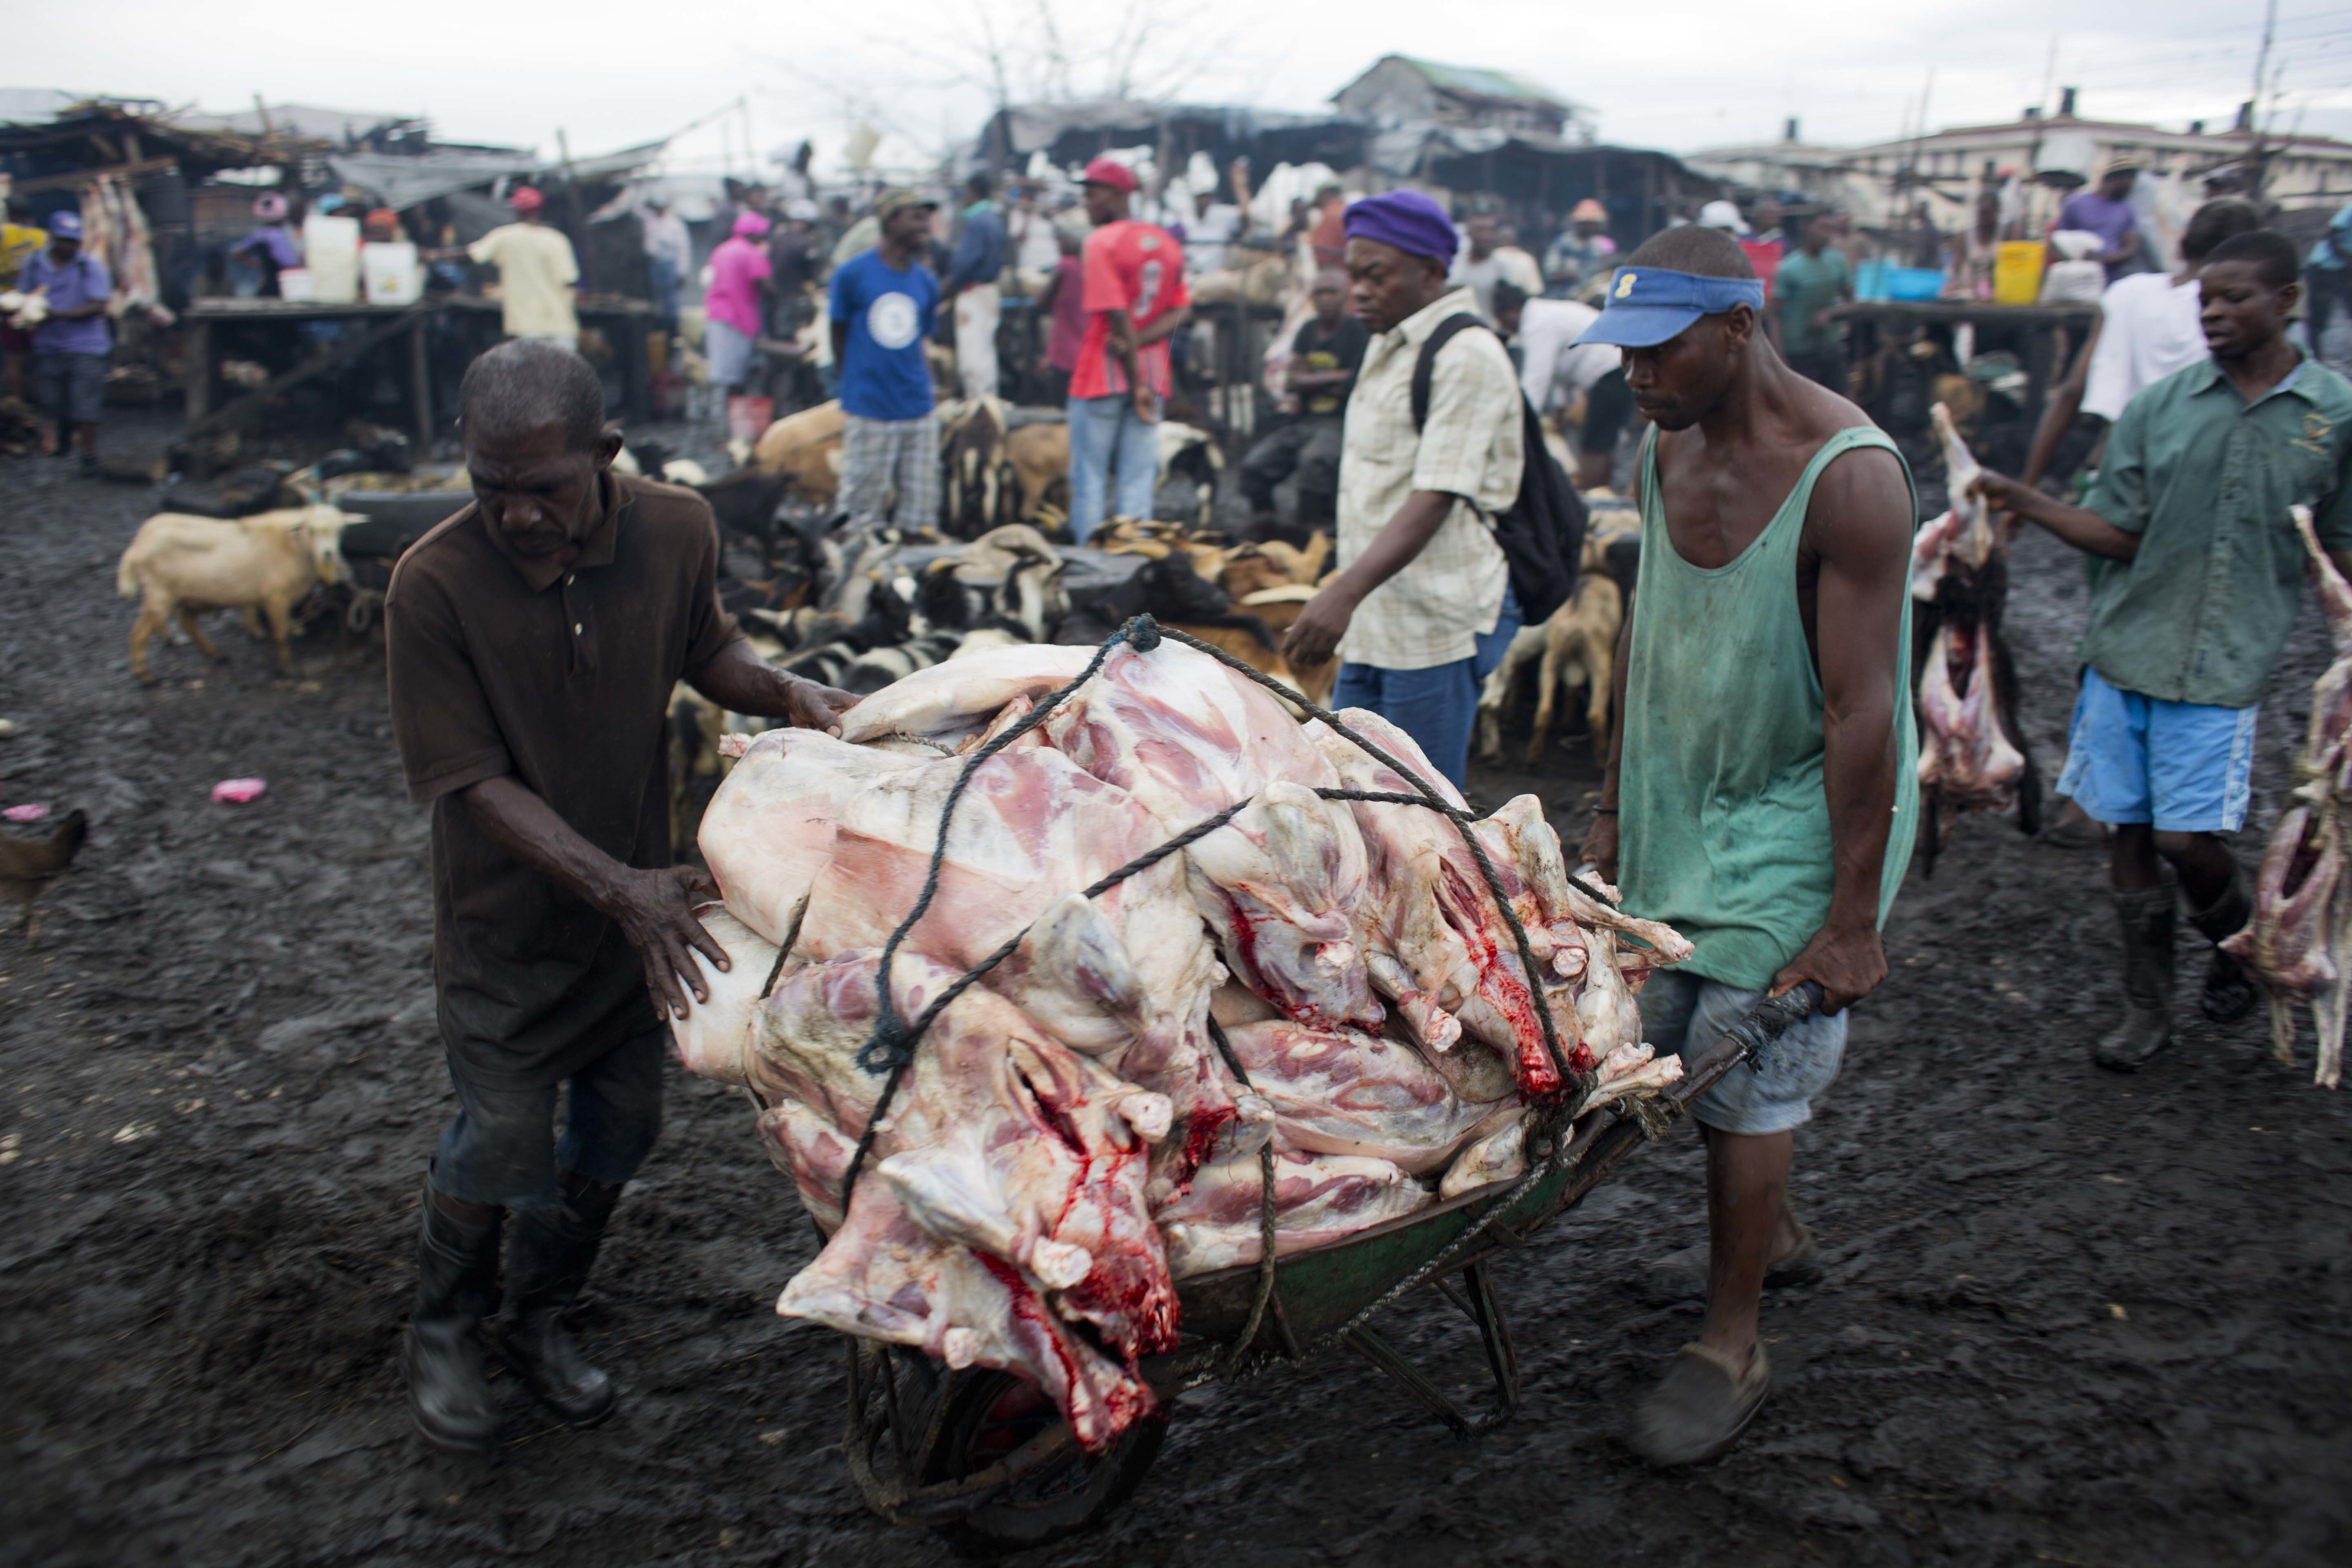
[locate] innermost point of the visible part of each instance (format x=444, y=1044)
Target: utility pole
x=2258, y=154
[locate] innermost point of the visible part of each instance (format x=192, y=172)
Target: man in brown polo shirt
x=533, y=640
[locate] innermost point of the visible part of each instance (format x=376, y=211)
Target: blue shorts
x=1689, y=1013
x=2185, y=767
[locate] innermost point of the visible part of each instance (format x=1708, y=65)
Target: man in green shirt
x=1807, y=287
x=2192, y=504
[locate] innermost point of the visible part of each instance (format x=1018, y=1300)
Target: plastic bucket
x=2017, y=271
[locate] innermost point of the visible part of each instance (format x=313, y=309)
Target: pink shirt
x=736, y=268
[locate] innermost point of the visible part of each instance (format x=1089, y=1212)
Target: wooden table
x=624, y=323
x=2040, y=324
x=372, y=323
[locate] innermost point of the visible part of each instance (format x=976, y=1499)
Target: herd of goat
x=860, y=608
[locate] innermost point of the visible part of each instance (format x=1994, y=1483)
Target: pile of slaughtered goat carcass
x=1969, y=756
x=1070, y=1139
x=2299, y=942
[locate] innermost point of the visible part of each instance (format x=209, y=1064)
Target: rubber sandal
x=1700, y=1409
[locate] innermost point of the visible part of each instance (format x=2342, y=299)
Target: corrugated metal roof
x=1480, y=81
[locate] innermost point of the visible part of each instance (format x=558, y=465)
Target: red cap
x=526, y=199
x=1109, y=172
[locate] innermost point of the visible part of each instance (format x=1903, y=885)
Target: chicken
x=2299, y=941
x=27, y=866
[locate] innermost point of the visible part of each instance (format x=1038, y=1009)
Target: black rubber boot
x=456, y=1281
x=548, y=1262
x=2229, y=994
x=2147, y=916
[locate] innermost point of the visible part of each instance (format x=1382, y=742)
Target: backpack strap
x=1425, y=366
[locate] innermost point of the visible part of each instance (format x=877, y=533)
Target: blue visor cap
x=1647, y=305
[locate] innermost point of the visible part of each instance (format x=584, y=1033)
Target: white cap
x=1723, y=215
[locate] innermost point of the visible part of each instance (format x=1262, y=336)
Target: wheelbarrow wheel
x=990, y=1414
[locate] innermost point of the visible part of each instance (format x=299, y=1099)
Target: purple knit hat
x=1408, y=220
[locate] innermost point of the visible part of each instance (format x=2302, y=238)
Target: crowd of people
x=1760, y=793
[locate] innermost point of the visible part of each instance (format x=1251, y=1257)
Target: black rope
x=1267, y=1262
x=1428, y=796
x=890, y=1049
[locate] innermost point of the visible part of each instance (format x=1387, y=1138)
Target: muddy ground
x=2069, y=1317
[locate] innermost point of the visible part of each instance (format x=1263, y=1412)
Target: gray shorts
x=71, y=387
x=1689, y=1013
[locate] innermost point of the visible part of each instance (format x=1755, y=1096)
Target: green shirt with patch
x=2205, y=478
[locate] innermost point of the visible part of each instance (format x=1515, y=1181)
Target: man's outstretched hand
x=656, y=911
x=1848, y=963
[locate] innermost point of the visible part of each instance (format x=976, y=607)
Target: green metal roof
x=1481, y=83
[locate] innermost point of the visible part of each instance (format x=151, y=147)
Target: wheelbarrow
x=985, y=1459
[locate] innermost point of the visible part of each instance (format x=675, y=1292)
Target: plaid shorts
x=888, y=459
x=71, y=387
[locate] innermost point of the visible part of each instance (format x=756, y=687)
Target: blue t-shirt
x=889, y=313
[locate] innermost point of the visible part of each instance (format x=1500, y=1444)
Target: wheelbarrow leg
x=1494, y=1330
x=1390, y=1360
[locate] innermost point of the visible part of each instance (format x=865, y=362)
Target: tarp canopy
x=401, y=183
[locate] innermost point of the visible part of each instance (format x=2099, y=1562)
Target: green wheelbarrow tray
x=1022, y=1482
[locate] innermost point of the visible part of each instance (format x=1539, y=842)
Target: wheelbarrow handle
x=1770, y=1018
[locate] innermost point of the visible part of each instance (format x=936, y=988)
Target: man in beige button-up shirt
x=1419, y=609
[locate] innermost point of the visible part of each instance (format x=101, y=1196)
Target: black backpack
x=1542, y=531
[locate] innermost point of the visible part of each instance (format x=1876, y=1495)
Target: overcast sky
x=1680, y=76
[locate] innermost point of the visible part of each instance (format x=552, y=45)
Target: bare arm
x=840, y=340
x=1858, y=530
x=2084, y=529
x=1163, y=324
x=740, y=681
x=2064, y=403
x=655, y=910
x=1315, y=636
x=1053, y=288
x=1123, y=345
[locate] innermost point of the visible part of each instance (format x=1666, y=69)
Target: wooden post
x=420, y=389
x=199, y=368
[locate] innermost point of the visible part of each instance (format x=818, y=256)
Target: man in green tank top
x=1763, y=788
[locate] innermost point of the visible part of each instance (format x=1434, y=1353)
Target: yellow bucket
x=2017, y=271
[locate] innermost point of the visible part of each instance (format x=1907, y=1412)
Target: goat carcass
x=1964, y=755
x=1318, y=1198
x=2299, y=941
x=1188, y=739
x=1971, y=756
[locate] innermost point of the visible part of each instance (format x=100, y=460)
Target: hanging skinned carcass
x=1972, y=754
x=1164, y=967
x=2299, y=941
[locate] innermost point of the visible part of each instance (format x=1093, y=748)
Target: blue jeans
x=1105, y=435
x=1435, y=706
x=501, y=1149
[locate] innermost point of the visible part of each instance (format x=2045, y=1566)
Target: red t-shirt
x=1138, y=267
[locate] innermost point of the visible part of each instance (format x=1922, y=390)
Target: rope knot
x=889, y=1046
x=1143, y=634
